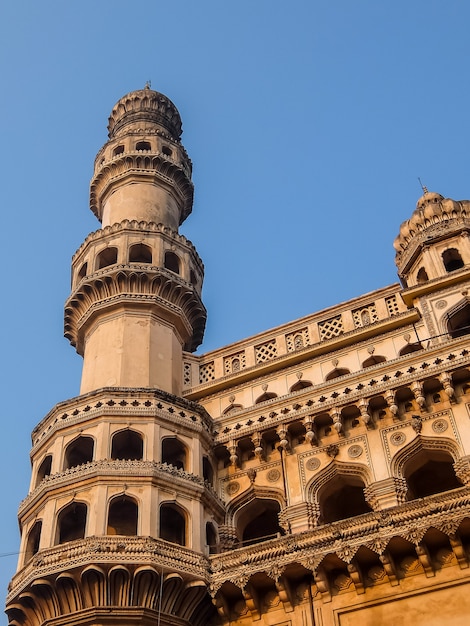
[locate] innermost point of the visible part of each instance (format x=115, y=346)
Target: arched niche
x=123, y=515
x=127, y=445
x=173, y=523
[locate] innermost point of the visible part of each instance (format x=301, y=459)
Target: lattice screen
x=392, y=305
x=187, y=374
x=365, y=315
x=206, y=372
x=234, y=363
x=297, y=340
x=331, y=328
x=266, y=351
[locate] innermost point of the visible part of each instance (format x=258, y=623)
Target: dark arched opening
x=172, y=524
x=106, y=257
x=140, y=253
x=174, y=452
x=422, y=276
x=211, y=538
x=72, y=522
x=32, y=543
x=172, y=262
x=336, y=373
x=452, y=259
x=260, y=521
x=78, y=452
x=429, y=472
x=122, y=516
x=207, y=471
x=343, y=498
x=127, y=445
x=44, y=469
x=458, y=324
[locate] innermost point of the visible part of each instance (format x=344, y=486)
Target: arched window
x=259, y=521
x=336, y=373
x=44, y=469
x=266, y=396
x=83, y=271
x=122, y=516
x=172, y=262
x=299, y=385
x=32, y=543
x=452, y=259
x=192, y=277
x=341, y=498
x=211, y=538
x=207, y=471
x=118, y=150
x=143, y=145
x=166, y=151
x=458, y=323
x=373, y=360
x=429, y=472
x=174, y=452
x=172, y=524
x=72, y=522
x=410, y=347
x=140, y=253
x=422, y=276
x=106, y=257
x=78, y=452
x=127, y=445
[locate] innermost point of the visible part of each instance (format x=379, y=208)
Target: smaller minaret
x=136, y=283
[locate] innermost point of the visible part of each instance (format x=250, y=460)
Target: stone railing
x=409, y=521
x=111, y=550
x=106, y=467
x=302, y=337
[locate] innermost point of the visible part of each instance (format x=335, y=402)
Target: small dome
x=145, y=106
x=432, y=211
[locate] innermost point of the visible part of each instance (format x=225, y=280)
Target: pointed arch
x=338, y=491
x=457, y=320
x=427, y=465
x=123, y=516
x=255, y=514
x=173, y=523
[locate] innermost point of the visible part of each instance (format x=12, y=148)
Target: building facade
x=317, y=474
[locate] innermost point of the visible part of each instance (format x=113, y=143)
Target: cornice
x=325, y=396
x=372, y=530
x=411, y=294
x=301, y=356
x=163, y=473
x=124, y=403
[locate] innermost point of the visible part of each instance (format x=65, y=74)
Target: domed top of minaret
x=142, y=107
x=433, y=212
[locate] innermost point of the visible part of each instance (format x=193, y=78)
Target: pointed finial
x=148, y=84
x=423, y=187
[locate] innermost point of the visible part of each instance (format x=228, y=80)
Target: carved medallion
x=398, y=438
x=355, y=451
x=441, y=304
x=273, y=475
x=440, y=425
x=312, y=464
x=232, y=488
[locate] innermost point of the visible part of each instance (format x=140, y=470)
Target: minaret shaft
x=132, y=347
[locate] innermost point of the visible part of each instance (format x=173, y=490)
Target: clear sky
x=308, y=123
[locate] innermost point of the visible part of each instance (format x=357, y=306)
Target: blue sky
x=308, y=124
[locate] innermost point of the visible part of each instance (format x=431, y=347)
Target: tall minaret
x=136, y=283
x=121, y=512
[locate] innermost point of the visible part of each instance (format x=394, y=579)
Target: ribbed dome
x=431, y=209
x=145, y=106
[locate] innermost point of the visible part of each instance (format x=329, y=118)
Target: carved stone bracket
x=386, y=493
x=462, y=469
